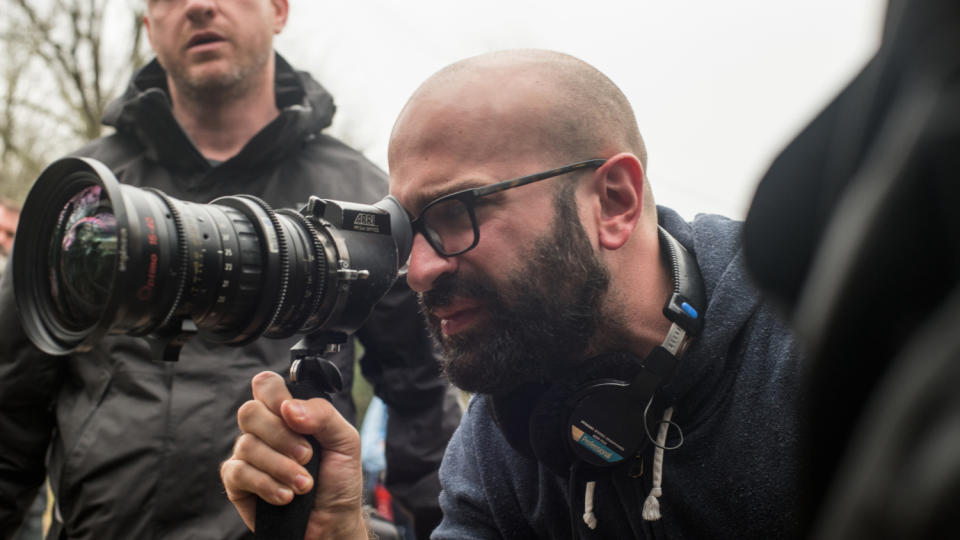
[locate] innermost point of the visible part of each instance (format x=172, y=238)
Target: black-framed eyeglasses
x=449, y=223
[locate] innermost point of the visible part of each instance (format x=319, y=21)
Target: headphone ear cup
x=604, y=426
x=599, y=424
x=538, y=420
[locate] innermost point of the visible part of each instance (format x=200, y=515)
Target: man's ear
x=620, y=189
x=146, y=25
x=281, y=9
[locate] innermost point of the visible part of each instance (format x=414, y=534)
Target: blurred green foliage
x=362, y=389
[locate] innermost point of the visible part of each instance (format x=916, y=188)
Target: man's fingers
x=268, y=458
x=255, y=419
x=270, y=388
x=243, y=480
x=261, y=417
x=282, y=470
x=315, y=417
x=319, y=418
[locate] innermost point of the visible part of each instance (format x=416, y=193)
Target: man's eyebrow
x=428, y=196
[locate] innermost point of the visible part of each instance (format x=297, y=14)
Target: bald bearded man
x=628, y=381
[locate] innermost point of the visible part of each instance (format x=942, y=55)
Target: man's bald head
x=566, y=108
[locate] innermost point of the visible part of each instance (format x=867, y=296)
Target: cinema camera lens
x=95, y=257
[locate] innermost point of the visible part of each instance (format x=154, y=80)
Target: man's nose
x=200, y=10
x=426, y=265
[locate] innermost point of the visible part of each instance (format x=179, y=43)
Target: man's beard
x=539, y=324
x=217, y=88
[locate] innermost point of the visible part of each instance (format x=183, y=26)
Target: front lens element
x=84, y=254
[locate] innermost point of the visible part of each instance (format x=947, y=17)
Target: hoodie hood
x=145, y=112
x=732, y=300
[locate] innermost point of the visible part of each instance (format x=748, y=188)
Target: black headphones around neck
x=602, y=422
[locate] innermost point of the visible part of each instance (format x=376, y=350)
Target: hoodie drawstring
x=588, y=517
x=651, y=507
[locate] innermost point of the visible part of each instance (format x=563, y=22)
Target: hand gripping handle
x=311, y=377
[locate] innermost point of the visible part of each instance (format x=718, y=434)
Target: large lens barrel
x=95, y=257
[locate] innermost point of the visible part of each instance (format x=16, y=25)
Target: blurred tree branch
x=58, y=77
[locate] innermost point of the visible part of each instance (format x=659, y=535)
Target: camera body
x=96, y=257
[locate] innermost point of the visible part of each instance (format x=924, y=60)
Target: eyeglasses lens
x=449, y=225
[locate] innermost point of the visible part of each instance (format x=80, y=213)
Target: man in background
x=131, y=445
x=9, y=216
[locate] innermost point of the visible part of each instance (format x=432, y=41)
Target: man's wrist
x=354, y=526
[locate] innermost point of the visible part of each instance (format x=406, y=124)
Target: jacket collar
x=144, y=111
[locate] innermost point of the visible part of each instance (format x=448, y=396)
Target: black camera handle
x=311, y=375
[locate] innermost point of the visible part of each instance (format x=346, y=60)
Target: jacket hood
x=145, y=111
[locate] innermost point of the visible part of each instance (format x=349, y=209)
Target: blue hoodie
x=736, y=400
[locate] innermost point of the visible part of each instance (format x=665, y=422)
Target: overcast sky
x=718, y=87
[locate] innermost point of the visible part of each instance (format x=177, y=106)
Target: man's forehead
x=474, y=111
x=462, y=130
x=415, y=187
x=420, y=182
x=435, y=163
x=7, y=215
x=422, y=196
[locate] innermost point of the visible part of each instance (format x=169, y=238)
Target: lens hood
x=33, y=269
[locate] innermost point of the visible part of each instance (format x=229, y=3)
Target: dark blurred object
x=854, y=229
